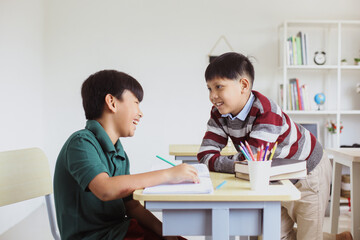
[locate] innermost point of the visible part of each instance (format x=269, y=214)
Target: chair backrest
x=25, y=174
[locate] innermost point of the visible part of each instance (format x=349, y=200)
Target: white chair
x=25, y=174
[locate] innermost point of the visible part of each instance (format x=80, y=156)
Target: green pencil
x=165, y=160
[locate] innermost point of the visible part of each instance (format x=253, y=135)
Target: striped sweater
x=266, y=122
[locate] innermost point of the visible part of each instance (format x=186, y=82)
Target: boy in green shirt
x=92, y=184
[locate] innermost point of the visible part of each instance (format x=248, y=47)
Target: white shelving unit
x=339, y=39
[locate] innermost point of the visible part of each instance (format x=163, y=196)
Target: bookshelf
x=339, y=40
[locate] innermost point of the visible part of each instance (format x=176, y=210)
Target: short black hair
x=98, y=85
x=230, y=65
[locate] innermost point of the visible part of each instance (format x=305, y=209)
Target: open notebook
x=204, y=187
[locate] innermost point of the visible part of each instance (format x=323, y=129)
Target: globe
x=319, y=99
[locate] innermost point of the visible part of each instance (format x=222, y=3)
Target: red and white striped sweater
x=266, y=122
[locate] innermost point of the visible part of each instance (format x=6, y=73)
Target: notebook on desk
x=204, y=187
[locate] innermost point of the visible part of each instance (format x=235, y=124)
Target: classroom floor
x=37, y=226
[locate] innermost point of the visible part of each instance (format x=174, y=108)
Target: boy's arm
x=109, y=188
x=214, y=141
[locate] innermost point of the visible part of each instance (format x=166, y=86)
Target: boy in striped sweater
x=239, y=113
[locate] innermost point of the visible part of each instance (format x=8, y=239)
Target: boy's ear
x=110, y=102
x=245, y=84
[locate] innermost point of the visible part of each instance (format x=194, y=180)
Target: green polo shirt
x=80, y=214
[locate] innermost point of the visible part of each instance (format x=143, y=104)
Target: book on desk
x=280, y=169
x=204, y=187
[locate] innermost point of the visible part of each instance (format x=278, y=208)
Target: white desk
x=232, y=210
x=187, y=152
x=348, y=157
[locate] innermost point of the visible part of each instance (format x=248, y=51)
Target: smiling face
x=127, y=115
x=227, y=95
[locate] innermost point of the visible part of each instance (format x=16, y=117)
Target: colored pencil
x=266, y=149
x=273, y=151
x=166, y=161
x=249, y=149
x=244, y=153
x=220, y=185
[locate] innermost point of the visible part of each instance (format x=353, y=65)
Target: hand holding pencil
x=180, y=173
x=183, y=173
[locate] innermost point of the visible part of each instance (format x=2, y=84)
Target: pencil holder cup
x=259, y=173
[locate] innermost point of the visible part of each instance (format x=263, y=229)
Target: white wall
x=21, y=87
x=164, y=44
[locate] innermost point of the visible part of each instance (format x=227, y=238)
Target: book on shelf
x=297, y=53
x=290, y=54
x=204, y=187
x=289, y=168
x=298, y=50
x=292, y=175
x=298, y=98
x=305, y=96
x=299, y=94
x=289, y=103
x=304, y=51
x=294, y=94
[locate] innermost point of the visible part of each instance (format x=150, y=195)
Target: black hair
x=230, y=65
x=98, y=85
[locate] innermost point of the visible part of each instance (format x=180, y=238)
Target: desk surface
x=354, y=153
x=193, y=149
x=234, y=190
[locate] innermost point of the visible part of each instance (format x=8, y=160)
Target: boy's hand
x=183, y=173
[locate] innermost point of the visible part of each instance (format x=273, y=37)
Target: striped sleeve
x=214, y=141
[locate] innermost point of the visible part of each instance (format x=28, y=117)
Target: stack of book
x=280, y=169
x=297, y=52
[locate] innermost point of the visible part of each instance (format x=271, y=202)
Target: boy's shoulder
x=85, y=133
x=260, y=97
x=264, y=103
x=81, y=139
x=82, y=135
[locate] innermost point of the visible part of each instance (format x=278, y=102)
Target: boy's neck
x=247, y=97
x=109, y=129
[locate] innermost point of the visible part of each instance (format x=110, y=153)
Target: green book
x=294, y=50
x=298, y=50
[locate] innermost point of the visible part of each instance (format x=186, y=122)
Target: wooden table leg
x=335, y=196
x=355, y=194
